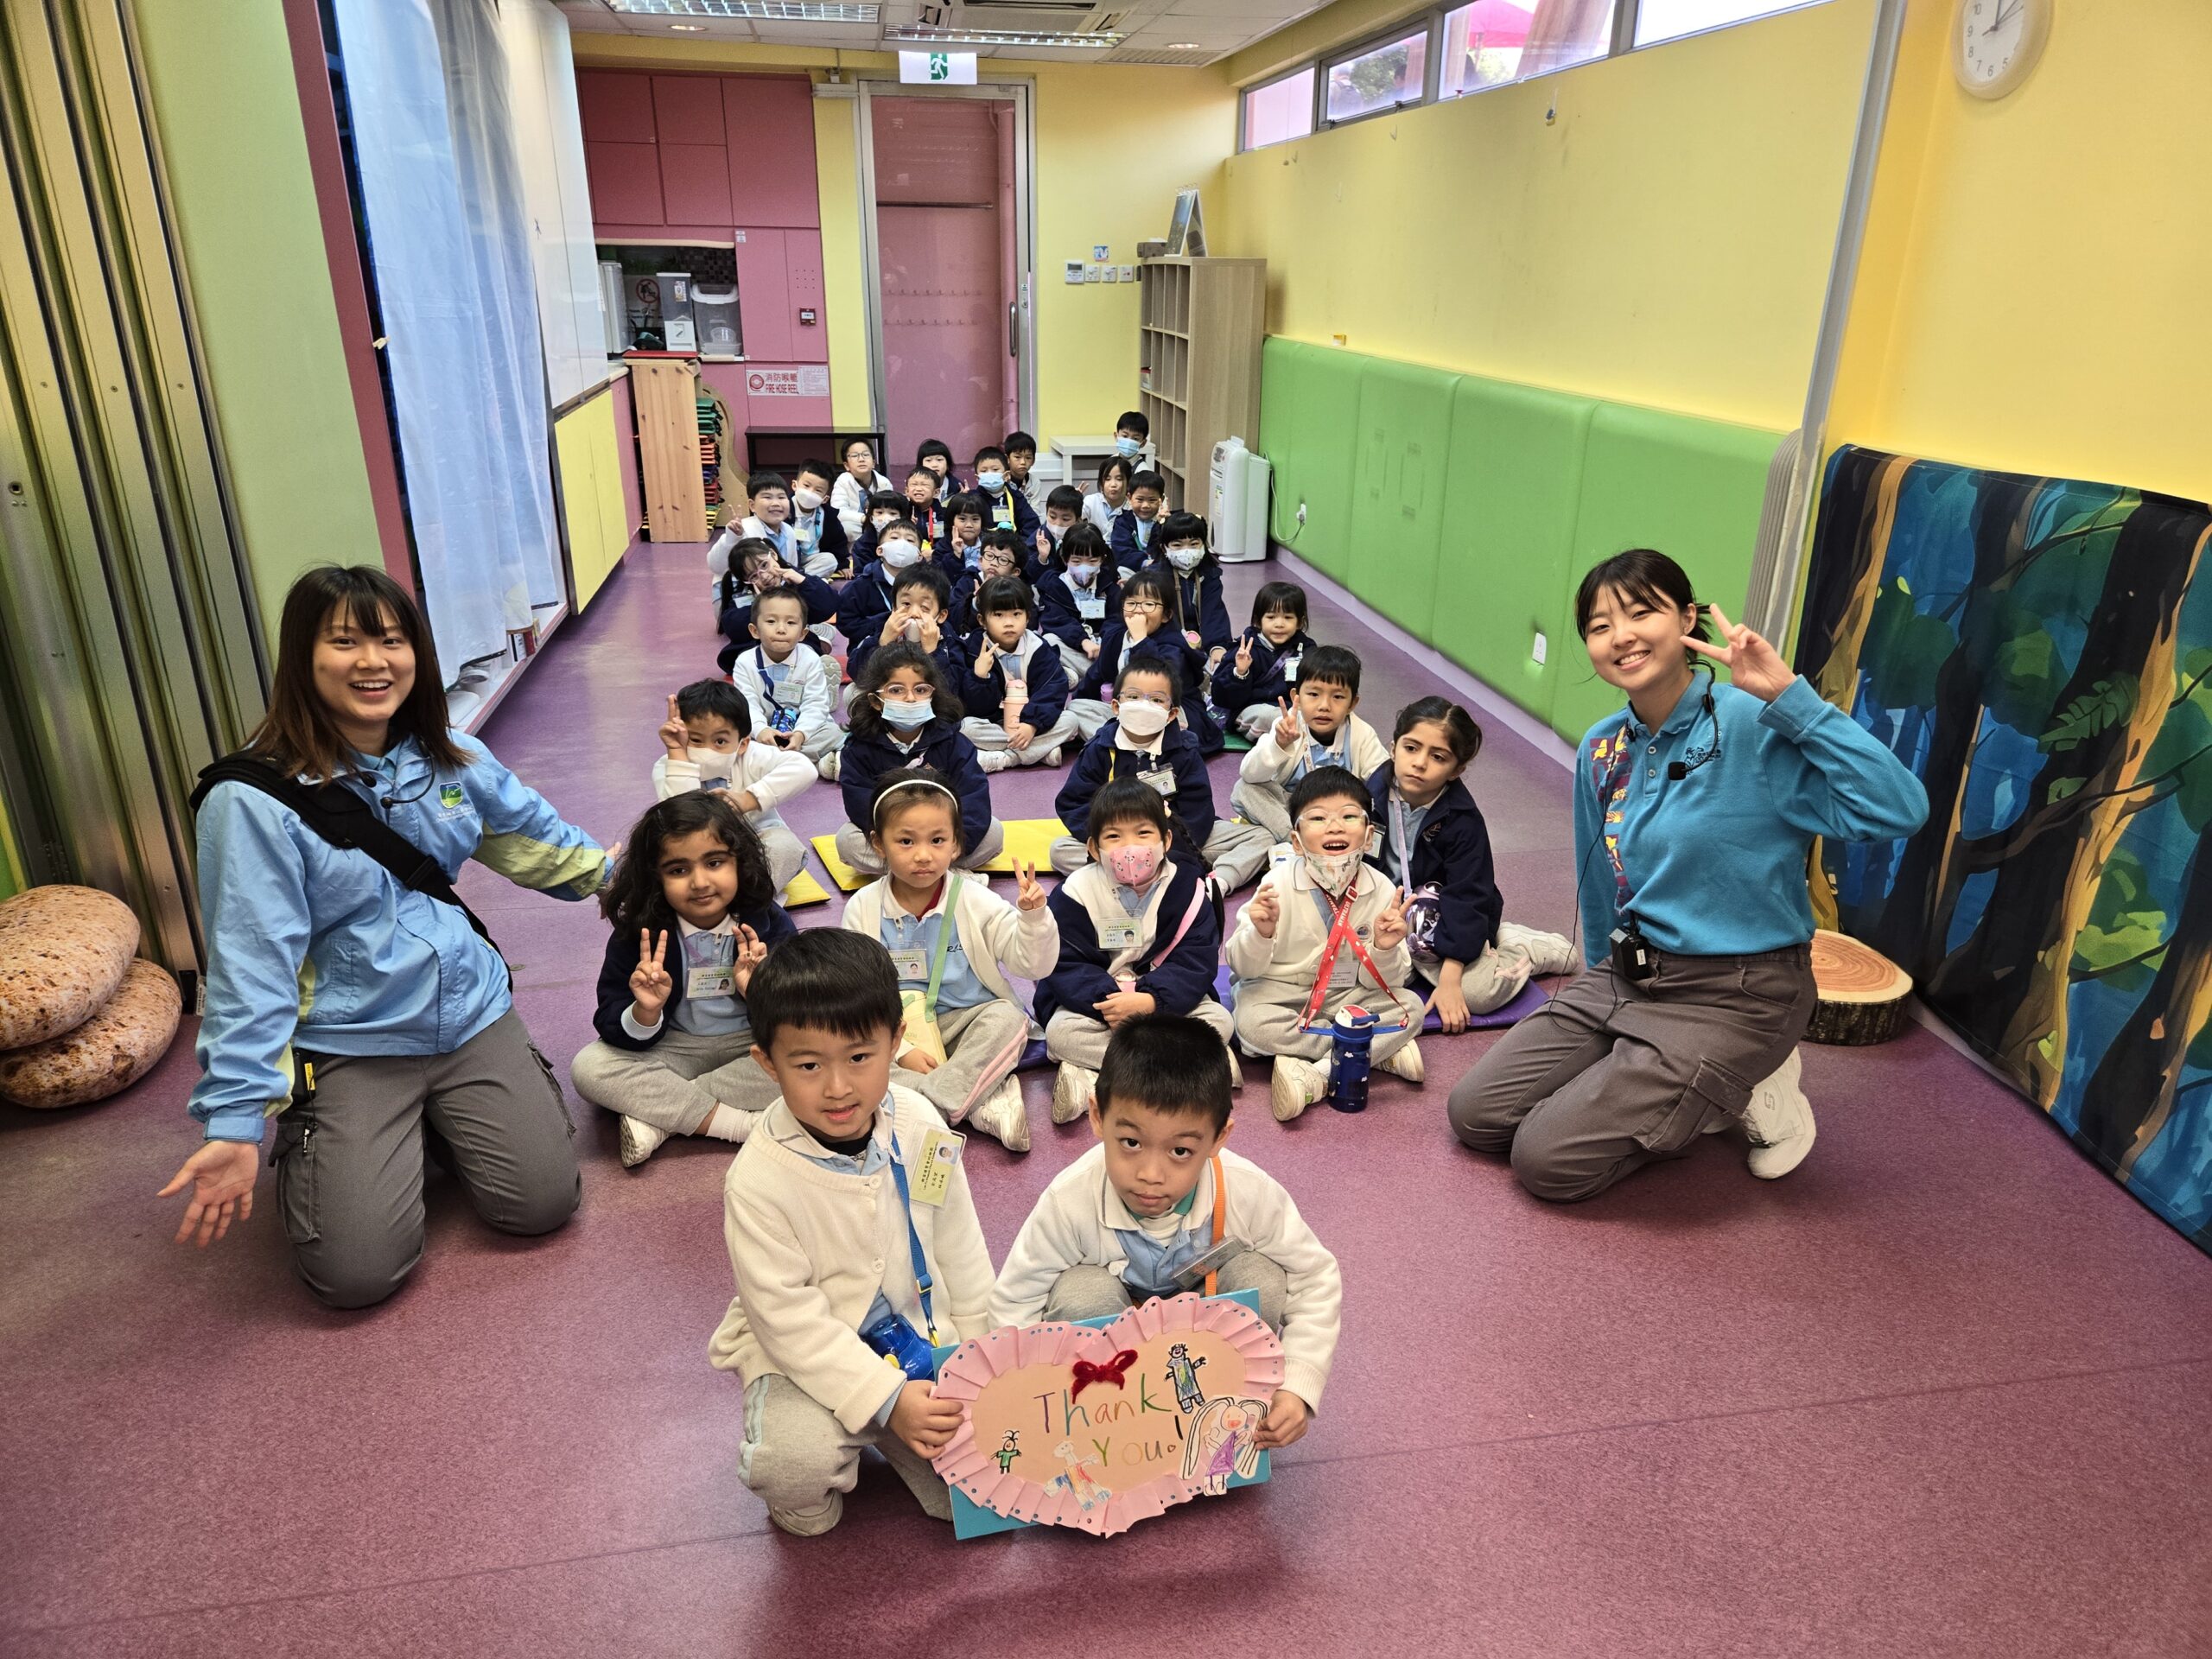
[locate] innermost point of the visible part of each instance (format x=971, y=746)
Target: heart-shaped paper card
x=1102, y=1427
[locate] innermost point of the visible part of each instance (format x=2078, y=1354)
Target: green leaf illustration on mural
x=2107, y=703
x=1906, y=651
x=2126, y=933
x=2180, y=761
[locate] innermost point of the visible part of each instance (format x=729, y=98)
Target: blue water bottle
x=1352, y=1036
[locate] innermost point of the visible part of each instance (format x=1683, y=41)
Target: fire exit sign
x=937, y=68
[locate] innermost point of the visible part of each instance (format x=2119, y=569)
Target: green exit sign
x=937, y=68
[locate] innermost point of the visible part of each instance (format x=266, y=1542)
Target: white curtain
x=427, y=101
x=550, y=139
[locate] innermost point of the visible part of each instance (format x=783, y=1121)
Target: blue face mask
x=1129, y=449
x=990, y=483
x=908, y=717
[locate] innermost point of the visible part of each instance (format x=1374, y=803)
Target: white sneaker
x=1003, y=1115
x=1779, y=1120
x=1072, y=1092
x=1547, y=953
x=826, y=768
x=1407, y=1064
x=1297, y=1084
x=995, y=759
x=810, y=1523
x=639, y=1140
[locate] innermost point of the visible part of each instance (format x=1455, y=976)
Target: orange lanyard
x=1340, y=935
x=1220, y=1218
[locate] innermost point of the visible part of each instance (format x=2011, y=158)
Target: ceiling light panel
x=793, y=11
x=916, y=34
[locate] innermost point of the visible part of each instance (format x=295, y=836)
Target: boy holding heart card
x=1158, y=1203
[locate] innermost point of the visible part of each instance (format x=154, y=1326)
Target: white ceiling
x=1153, y=31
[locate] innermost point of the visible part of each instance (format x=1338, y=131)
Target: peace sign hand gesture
x=650, y=984
x=1753, y=665
x=751, y=953
x=1287, y=727
x=1031, y=896
x=1244, y=657
x=1390, y=925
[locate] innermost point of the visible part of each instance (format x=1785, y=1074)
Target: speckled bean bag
x=106, y=1054
x=63, y=951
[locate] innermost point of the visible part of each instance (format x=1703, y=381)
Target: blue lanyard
x=923, y=1283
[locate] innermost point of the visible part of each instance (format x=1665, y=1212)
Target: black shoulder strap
x=341, y=817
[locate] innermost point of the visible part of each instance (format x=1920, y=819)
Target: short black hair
x=1163, y=666
x=1134, y=421
x=1064, y=498
x=1003, y=594
x=745, y=549
x=891, y=501
x=1123, y=800
x=825, y=979
x=1326, y=783
x=1285, y=596
x=1017, y=441
x=924, y=575
x=1006, y=541
x=757, y=482
x=1085, y=537
x=1164, y=1062
x=817, y=468
x=967, y=505
x=1330, y=665
x=937, y=447
x=716, y=698
x=1149, y=480
x=920, y=471
x=989, y=452
x=792, y=593
x=1115, y=464
x=1182, y=527
x=845, y=448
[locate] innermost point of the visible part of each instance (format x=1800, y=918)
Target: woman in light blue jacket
x=360, y=1010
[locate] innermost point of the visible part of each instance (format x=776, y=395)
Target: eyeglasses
x=1142, y=605
x=1313, y=824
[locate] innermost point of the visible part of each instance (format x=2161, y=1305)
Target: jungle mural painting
x=2039, y=652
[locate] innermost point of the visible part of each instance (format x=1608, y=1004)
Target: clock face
x=1997, y=42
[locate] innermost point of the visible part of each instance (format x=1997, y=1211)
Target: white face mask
x=714, y=763
x=806, y=500
x=1141, y=718
x=1332, y=870
x=883, y=518
x=900, y=554
x=1083, y=574
x=1185, y=559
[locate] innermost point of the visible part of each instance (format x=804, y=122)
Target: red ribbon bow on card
x=1115, y=1370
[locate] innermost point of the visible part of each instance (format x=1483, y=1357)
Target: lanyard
x=1340, y=935
x=1220, y=1219
x=923, y=1283
x=1611, y=762
x=1401, y=844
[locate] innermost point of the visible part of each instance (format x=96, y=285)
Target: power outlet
x=1302, y=515
x=1536, y=651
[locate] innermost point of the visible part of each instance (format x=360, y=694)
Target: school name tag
x=941, y=1150
x=1162, y=778
x=716, y=980
x=1119, y=936
x=911, y=964
x=1092, y=605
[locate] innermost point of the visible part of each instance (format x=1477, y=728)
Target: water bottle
x=1352, y=1036
x=901, y=1343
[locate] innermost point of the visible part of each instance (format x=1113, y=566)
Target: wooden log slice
x=1861, y=992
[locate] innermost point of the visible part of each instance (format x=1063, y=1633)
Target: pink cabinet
x=625, y=183
x=617, y=106
x=764, y=313
x=770, y=122
x=688, y=109
x=694, y=183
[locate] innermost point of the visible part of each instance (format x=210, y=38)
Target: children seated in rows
x=897, y=597
x=1144, y=634
x=707, y=743
x=1138, y=936
x=693, y=909
x=1063, y=510
x=1131, y=1217
x=1000, y=557
x=1252, y=683
x=1133, y=530
x=935, y=458
x=1005, y=506
x=857, y=480
x=785, y=686
x=1466, y=958
x=1012, y=683
x=905, y=716
x=1076, y=592
x=1316, y=726
x=755, y=568
x=822, y=1295
x=1104, y=505
x=1325, y=929
x=968, y=1031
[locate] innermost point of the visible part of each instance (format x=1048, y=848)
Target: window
x=1381, y=77
x=1281, y=109
x=1664, y=20
x=1492, y=41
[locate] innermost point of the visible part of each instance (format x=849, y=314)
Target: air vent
x=1140, y=55
x=1013, y=11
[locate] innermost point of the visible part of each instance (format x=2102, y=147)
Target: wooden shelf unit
x=1200, y=324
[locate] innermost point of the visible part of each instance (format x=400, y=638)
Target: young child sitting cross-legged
x=1325, y=929
x=1122, y=1223
x=830, y=1242
x=905, y=717
x=1253, y=683
x=707, y=742
x=786, y=685
x=968, y=1031
x=1317, y=728
x=694, y=912
x=1138, y=936
x=1013, y=682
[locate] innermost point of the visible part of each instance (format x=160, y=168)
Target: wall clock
x=1995, y=43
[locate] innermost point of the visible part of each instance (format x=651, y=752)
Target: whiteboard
x=549, y=140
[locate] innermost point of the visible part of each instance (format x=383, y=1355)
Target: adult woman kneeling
x=1694, y=809
x=356, y=1008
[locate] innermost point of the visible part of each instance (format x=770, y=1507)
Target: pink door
x=944, y=236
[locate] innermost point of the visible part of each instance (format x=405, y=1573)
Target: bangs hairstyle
x=718, y=698
x=864, y=716
x=1152, y=481
x=1134, y=421
x=1006, y=541
x=898, y=790
x=1160, y=666
x=990, y=452
x=812, y=469
x=1114, y=464
x=1085, y=539
x=1183, y=527
x=845, y=449
x=1167, y=1063
x=1064, y=498
x=749, y=550
x=1642, y=576
x=761, y=601
x=1327, y=784
x=827, y=979
x=1003, y=594
x=1330, y=665
x=297, y=735
x=1285, y=596
x=1128, y=800
x=923, y=575
x=633, y=896
x=967, y=505
x=933, y=449
x=920, y=471
x=1461, y=734
x=1017, y=442
x=890, y=501
x=759, y=481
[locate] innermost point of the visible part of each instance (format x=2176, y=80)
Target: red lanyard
x=1340, y=935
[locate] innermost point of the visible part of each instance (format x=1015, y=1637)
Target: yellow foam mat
x=847, y=878
x=1028, y=839
x=805, y=890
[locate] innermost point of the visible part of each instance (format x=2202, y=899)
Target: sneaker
x=1073, y=1091
x=1779, y=1120
x=1003, y=1115
x=1297, y=1084
x=810, y=1523
x=639, y=1140
x=826, y=768
x=1547, y=953
x=1407, y=1064
x=993, y=760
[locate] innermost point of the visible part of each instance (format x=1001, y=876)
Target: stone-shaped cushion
x=63, y=951
x=106, y=1054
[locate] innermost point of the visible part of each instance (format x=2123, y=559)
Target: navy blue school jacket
x=1178, y=982
x=1047, y=677
x=1026, y=523
x=863, y=602
x=1451, y=850
x=1129, y=552
x=865, y=758
x=621, y=960
x=1057, y=615
x=1199, y=603
x=1101, y=763
x=1163, y=646
x=831, y=531
x=1267, y=683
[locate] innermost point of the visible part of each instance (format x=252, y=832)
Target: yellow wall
x=585, y=446
x=837, y=182
x=2035, y=292
x=1664, y=239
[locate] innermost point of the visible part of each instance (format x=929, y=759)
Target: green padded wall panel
x=1692, y=488
x=1308, y=396
x=1397, y=490
x=1514, y=476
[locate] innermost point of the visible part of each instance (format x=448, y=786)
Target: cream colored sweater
x=1269, y=762
x=996, y=937
x=1293, y=956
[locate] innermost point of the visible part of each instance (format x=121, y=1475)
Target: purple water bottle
x=1352, y=1036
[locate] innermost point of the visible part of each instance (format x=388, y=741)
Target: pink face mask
x=1134, y=863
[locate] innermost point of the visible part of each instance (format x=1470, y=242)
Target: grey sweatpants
x=1254, y=719
x=787, y=853
x=1081, y=1038
x=1234, y=852
x=853, y=848
x=989, y=734
x=677, y=1084
x=983, y=1044
x=797, y=1456
x=1269, y=1019
x=1091, y=1292
x=1265, y=806
x=1609, y=1075
x=349, y=1161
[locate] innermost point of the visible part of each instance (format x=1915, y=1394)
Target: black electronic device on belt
x=1634, y=958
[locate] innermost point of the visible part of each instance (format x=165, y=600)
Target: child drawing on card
x=1224, y=1440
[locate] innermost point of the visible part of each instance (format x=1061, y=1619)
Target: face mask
x=883, y=518
x=901, y=553
x=1129, y=449
x=713, y=763
x=1056, y=531
x=1083, y=574
x=1332, y=870
x=806, y=500
x=1134, y=864
x=1185, y=559
x=990, y=483
x=1141, y=718
x=908, y=717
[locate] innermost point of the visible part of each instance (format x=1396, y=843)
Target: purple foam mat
x=1533, y=996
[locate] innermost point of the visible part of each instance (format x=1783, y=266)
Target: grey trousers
x=677, y=1084
x=1266, y=805
x=349, y=1161
x=797, y=1457
x=989, y=734
x=1269, y=1019
x=853, y=848
x=1091, y=1292
x=787, y=853
x=1254, y=719
x=1082, y=1040
x=1234, y=852
x=983, y=1044
x=1609, y=1075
